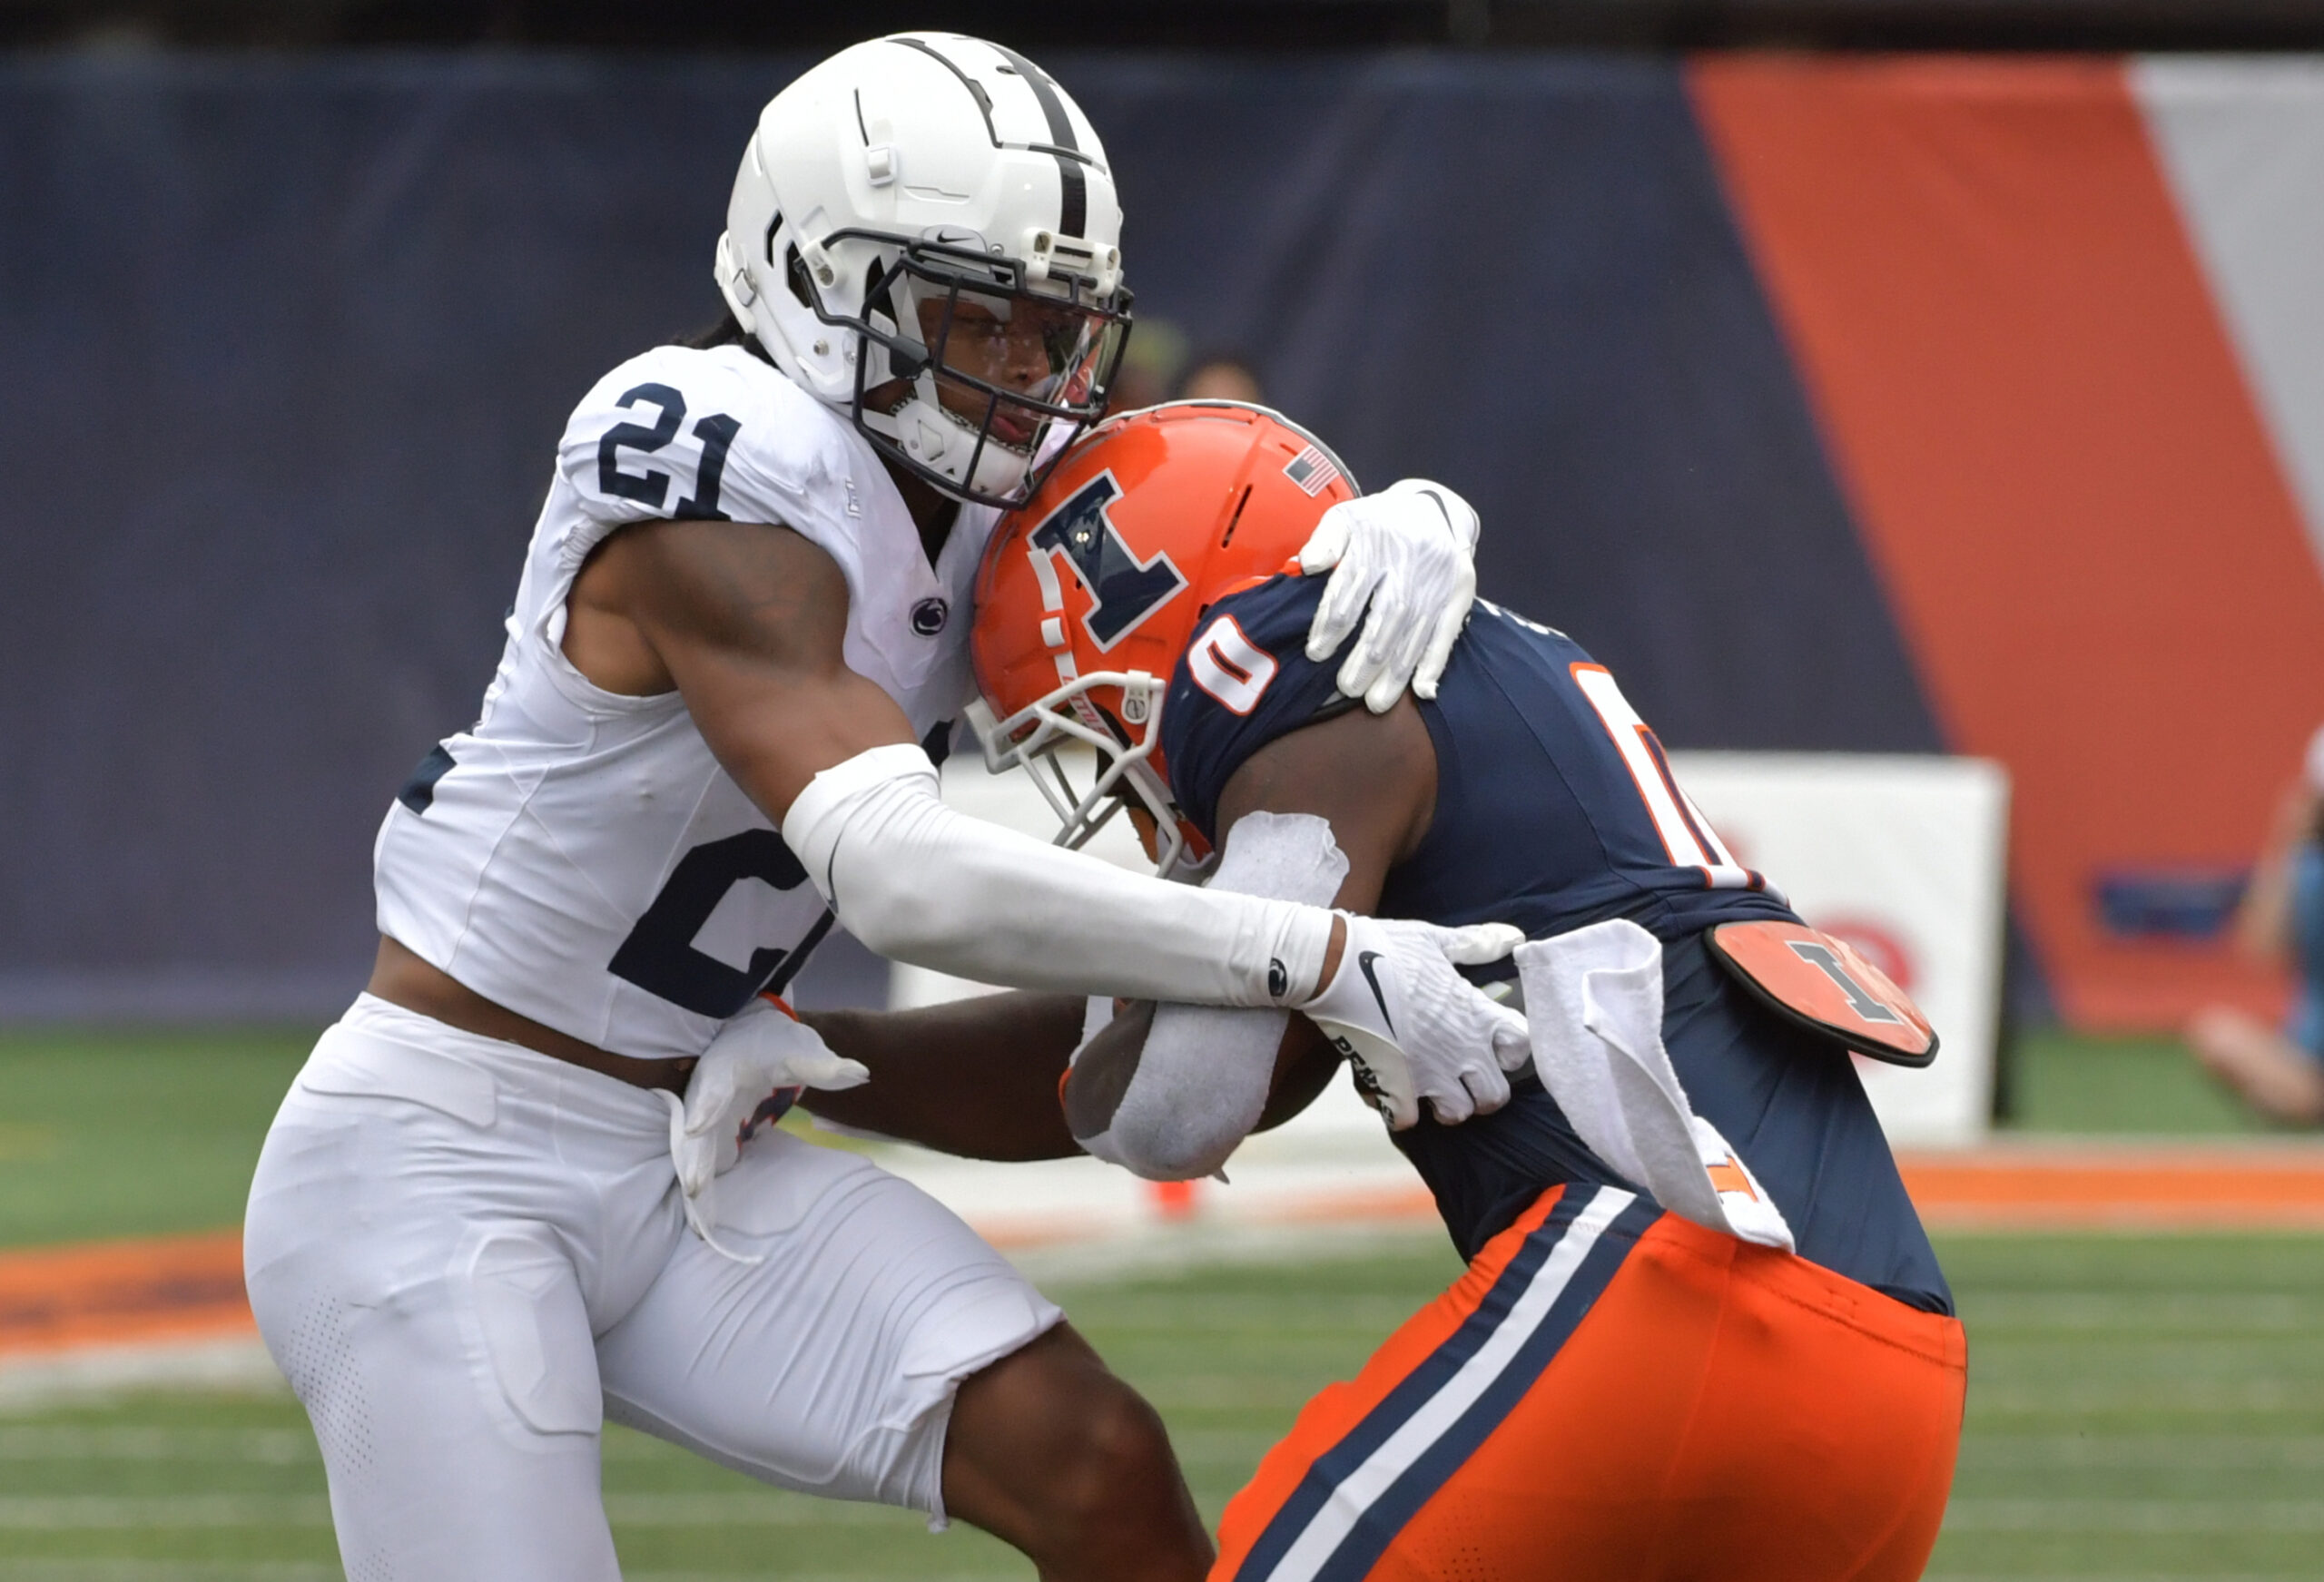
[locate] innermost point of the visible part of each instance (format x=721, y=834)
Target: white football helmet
x=924, y=234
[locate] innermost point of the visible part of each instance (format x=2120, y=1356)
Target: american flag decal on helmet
x=1312, y=470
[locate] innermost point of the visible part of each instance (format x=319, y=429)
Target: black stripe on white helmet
x=924, y=234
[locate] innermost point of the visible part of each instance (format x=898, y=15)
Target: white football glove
x=753, y=1071
x=1414, y=1028
x=1410, y=552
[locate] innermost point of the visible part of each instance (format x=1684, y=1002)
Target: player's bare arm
x=2255, y=1058
x=977, y=1078
x=2262, y=925
x=745, y=620
x=747, y=623
x=980, y=1077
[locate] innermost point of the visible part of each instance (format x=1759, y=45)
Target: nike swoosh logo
x=1363, y=960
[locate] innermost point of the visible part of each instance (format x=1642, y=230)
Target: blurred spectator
x=1220, y=376
x=1150, y=364
x=2279, y=1072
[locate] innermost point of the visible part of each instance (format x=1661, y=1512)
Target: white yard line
x=61, y=1442
x=2134, y=1452
x=2135, y=1516
x=238, y=1365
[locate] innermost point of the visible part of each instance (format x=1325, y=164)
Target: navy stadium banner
x=285, y=346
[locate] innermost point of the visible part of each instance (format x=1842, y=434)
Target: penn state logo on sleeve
x=1123, y=590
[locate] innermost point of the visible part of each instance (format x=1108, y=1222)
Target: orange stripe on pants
x=1722, y=1410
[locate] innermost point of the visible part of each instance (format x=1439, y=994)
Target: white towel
x=1594, y=1005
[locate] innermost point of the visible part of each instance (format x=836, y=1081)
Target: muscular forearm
x=976, y=1077
x=750, y=624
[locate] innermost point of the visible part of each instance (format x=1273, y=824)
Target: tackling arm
x=1165, y=1092
x=977, y=1076
x=1169, y=1093
x=748, y=623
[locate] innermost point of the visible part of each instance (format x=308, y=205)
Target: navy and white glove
x=753, y=1071
x=1415, y=1029
x=1408, y=552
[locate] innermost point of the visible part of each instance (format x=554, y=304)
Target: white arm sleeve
x=1203, y=1079
x=915, y=880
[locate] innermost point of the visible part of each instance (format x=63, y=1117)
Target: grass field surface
x=2065, y=1082
x=2146, y=1408
x=134, y=1133
x=189, y=1110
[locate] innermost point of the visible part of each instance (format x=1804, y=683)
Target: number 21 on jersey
x=1686, y=834
x=652, y=487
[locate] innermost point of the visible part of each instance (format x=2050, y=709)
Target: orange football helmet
x=1091, y=590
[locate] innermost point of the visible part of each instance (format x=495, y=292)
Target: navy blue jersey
x=1556, y=809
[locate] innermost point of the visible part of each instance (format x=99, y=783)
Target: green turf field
x=2147, y=1409
x=134, y=1133
x=188, y=1110
x=2141, y=1407
x=2068, y=1083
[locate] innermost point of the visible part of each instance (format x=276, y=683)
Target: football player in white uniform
x=743, y=609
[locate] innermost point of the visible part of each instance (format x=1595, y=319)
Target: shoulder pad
x=690, y=435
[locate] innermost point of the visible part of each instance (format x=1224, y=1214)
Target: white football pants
x=464, y=1255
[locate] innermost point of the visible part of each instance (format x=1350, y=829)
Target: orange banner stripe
x=2040, y=423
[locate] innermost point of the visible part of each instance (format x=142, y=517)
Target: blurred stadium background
x=1956, y=418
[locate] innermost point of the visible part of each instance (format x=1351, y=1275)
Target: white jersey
x=578, y=856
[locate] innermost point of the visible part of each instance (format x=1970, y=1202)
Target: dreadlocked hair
x=727, y=332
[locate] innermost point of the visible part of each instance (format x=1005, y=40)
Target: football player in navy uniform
x=1702, y=1334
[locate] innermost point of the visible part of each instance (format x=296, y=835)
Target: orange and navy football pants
x=1612, y=1393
